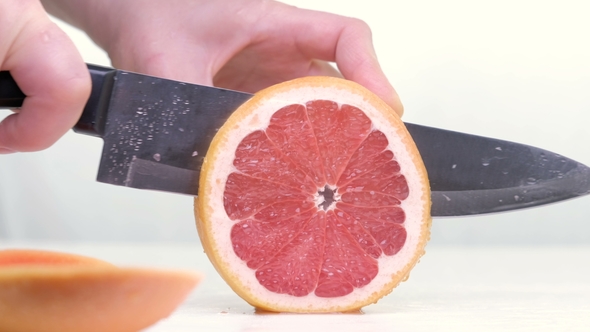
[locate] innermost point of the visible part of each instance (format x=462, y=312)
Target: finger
x=358, y=62
x=166, y=66
x=50, y=72
x=346, y=41
x=323, y=68
x=167, y=60
x=160, y=44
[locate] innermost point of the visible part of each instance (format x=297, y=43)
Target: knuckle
x=359, y=25
x=71, y=88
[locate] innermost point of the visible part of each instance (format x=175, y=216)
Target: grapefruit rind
x=65, y=292
x=31, y=257
x=214, y=225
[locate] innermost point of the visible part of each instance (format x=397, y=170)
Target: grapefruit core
x=313, y=198
x=51, y=291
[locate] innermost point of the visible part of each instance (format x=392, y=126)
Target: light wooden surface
x=452, y=289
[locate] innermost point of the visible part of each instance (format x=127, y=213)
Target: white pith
x=220, y=225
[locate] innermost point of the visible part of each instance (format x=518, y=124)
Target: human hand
x=48, y=69
x=244, y=45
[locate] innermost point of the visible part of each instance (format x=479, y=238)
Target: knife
x=157, y=131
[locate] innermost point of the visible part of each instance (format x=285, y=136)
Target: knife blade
x=156, y=133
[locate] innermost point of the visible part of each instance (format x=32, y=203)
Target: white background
x=517, y=70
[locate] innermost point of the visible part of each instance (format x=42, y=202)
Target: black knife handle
x=10, y=94
x=93, y=117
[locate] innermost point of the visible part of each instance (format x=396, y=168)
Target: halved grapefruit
x=313, y=198
x=51, y=291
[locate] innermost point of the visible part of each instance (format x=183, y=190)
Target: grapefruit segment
x=338, y=132
x=246, y=195
x=370, y=155
x=384, y=179
x=313, y=198
x=290, y=130
x=254, y=241
x=369, y=198
x=346, y=265
x=361, y=234
x=294, y=269
x=259, y=158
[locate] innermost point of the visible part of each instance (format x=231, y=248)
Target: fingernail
x=399, y=108
x=396, y=104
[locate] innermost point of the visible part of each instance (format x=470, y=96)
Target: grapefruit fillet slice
x=51, y=291
x=313, y=198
